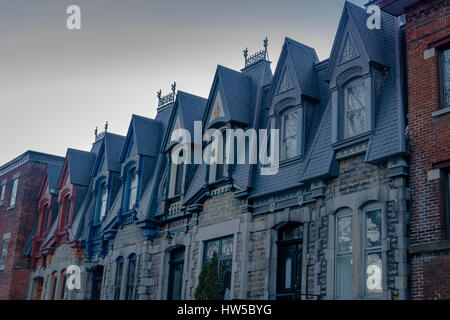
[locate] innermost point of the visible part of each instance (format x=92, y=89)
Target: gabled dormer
x=356, y=72
x=105, y=175
x=292, y=97
x=179, y=141
x=139, y=154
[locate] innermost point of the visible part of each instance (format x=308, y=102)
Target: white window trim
x=13, y=199
x=4, y=251
x=351, y=84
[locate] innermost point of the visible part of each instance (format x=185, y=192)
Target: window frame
x=345, y=213
x=2, y=193
x=62, y=285
x=130, y=287
x=67, y=210
x=4, y=250
x=118, y=278
x=220, y=258
x=13, y=198
x=131, y=173
x=376, y=250
x=102, y=192
x=53, y=284
x=441, y=74
x=283, y=138
x=353, y=82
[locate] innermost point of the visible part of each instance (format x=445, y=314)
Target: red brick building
x=20, y=180
x=428, y=55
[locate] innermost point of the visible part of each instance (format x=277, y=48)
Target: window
x=118, y=280
x=67, y=208
x=97, y=278
x=131, y=278
x=46, y=215
x=446, y=197
x=103, y=201
x=372, y=252
x=62, y=288
x=53, y=285
x=356, y=110
x=2, y=193
x=4, y=250
x=344, y=259
x=14, y=193
x=445, y=74
x=132, y=184
x=289, y=132
x=224, y=249
x=289, y=262
x=176, y=264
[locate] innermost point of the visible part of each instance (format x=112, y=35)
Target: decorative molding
x=221, y=190
x=352, y=150
x=14, y=165
x=174, y=208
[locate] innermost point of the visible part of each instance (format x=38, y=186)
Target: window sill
x=429, y=247
x=440, y=112
x=10, y=208
x=351, y=141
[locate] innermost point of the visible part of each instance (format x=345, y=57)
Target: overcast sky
x=57, y=85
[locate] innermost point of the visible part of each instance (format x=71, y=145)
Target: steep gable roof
x=354, y=21
x=237, y=95
x=145, y=134
x=80, y=164
x=53, y=174
x=188, y=108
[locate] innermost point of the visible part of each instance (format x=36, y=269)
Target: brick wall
x=428, y=22
x=19, y=221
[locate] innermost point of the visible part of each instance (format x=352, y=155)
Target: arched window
x=290, y=124
x=373, y=264
x=67, y=209
x=356, y=108
x=53, y=285
x=102, y=201
x=176, y=264
x=46, y=217
x=131, y=187
x=62, y=288
x=118, y=279
x=131, y=278
x=344, y=254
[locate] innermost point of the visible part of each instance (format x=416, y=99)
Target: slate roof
x=238, y=95
x=80, y=166
x=113, y=147
x=304, y=58
x=53, y=174
x=191, y=108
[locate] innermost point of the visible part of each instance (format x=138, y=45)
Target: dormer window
x=46, y=216
x=103, y=201
x=67, y=209
x=218, y=167
x=356, y=109
x=132, y=186
x=289, y=134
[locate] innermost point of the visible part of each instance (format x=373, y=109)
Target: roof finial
x=174, y=87
x=266, y=43
x=246, y=53
x=96, y=132
x=106, y=126
x=158, y=94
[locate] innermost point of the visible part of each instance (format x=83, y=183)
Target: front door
x=97, y=277
x=176, y=264
x=289, y=266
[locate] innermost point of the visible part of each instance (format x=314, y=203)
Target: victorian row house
x=330, y=221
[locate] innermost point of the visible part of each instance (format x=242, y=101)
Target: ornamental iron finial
x=168, y=98
x=96, y=132
x=106, y=126
x=261, y=55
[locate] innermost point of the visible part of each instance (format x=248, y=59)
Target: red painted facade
x=18, y=220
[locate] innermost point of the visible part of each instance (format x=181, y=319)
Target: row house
x=428, y=76
x=20, y=180
x=330, y=222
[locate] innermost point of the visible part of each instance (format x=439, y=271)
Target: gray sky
x=57, y=85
